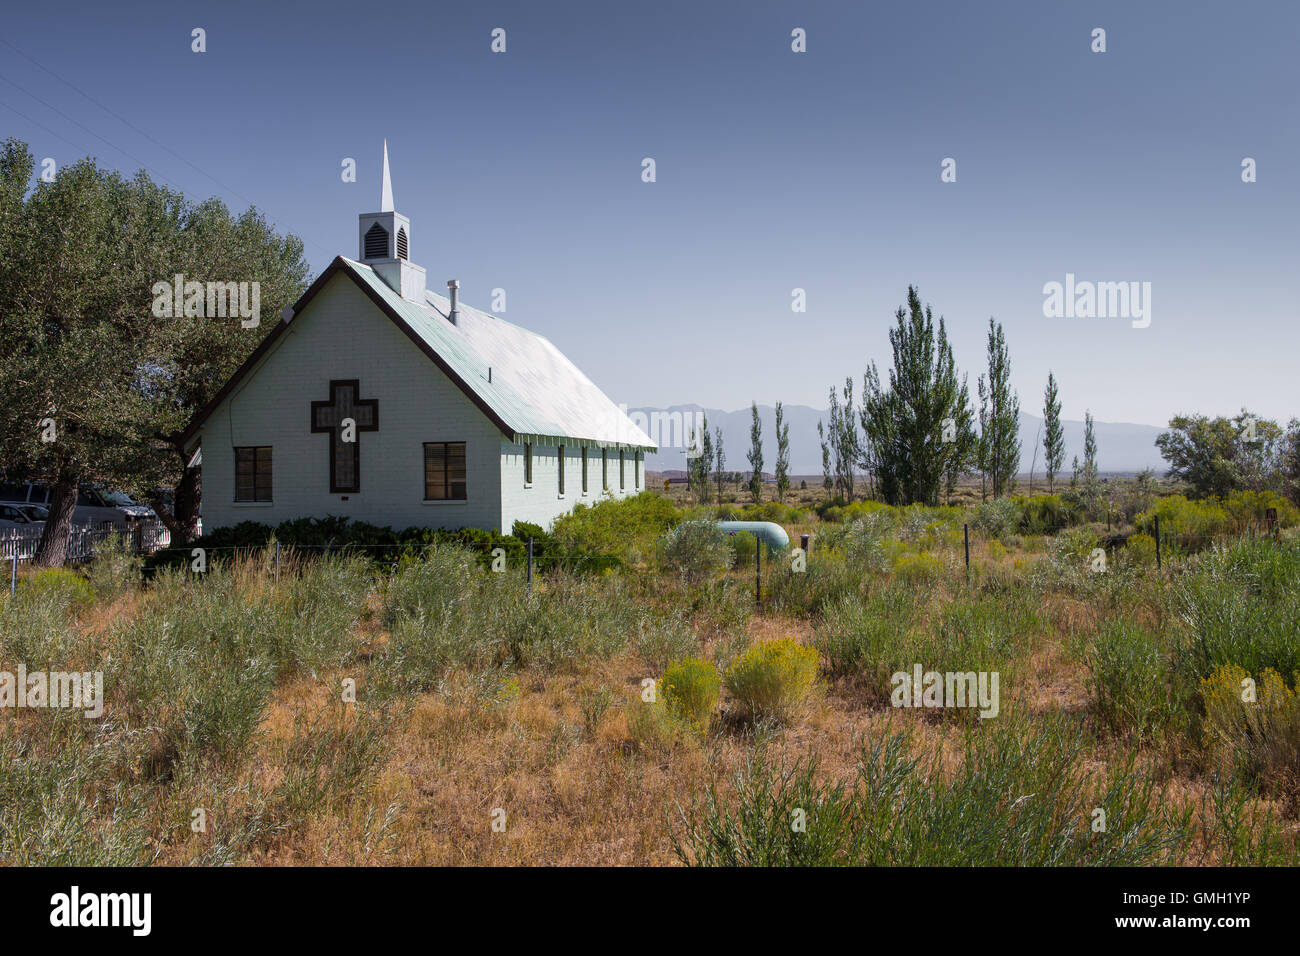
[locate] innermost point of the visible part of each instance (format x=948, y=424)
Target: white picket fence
x=143, y=537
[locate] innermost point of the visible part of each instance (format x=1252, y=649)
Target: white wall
x=341, y=335
x=541, y=502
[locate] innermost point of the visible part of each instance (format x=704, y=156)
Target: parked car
x=16, y=516
x=96, y=506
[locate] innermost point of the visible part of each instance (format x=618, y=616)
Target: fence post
x=1157, y=542
x=965, y=534
x=758, y=573
x=277, y=562
x=13, y=573
x=530, y=567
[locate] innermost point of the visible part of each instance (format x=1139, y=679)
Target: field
x=426, y=710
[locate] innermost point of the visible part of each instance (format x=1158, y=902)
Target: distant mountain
x=1121, y=447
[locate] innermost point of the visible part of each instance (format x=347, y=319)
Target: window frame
x=584, y=469
x=256, y=498
x=622, y=470
x=560, y=470
x=528, y=463
x=446, y=470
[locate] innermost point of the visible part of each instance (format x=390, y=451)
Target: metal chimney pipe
x=453, y=289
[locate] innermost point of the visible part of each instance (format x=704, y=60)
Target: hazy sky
x=775, y=170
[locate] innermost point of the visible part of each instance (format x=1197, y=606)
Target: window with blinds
x=444, y=471
x=253, y=473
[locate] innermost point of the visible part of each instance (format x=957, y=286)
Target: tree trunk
x=182, y=521
x=53, y=549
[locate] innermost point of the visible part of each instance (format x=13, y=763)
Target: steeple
x=386, y=192
x=385, y=243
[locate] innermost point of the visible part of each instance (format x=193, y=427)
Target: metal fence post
x=13, y=573
x=758, y=572
x=965, y=533
x=1157, y=542
x=530, y=567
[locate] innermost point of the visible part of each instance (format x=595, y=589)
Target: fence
x=143, y=537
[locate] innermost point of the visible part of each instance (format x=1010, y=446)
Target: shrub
x=1044, y=514
x=1017, y=797
x=612, y=526
x=918, y=568
x=1260, y=738
x=652, y=727
x=1129, y=680
x=773, y=679
x=856, y=637
x=695, y=550
x=690, y=691
x=1141, y=550
x=115, y=569
x=998, y=518
x=61, y=586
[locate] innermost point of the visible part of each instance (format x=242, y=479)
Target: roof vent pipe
x=453, y=288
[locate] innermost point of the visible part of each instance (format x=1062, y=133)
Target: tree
x=98, y=388
x=1000, y=436
x=1216, y=456
x=827, y=482
x=697, y=467
x=1053, y=436
x=905, y=420
x=755, y=455
x=782, y=454
x=720, y=461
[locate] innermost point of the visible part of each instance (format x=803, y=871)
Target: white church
x=381, y=401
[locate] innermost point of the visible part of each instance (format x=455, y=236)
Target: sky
x=775, y=170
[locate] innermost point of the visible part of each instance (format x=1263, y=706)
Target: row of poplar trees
x=913, y=433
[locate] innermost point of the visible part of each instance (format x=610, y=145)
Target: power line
x=132, y=157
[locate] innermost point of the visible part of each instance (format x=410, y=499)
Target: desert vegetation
x=406, y=704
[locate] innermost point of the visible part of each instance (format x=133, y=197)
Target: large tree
x=698, y=467
x=1215, y=456
x=1053, y=436
x=98, y=388
x=905, y=419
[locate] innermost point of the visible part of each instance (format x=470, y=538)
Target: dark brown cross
x=345, y=456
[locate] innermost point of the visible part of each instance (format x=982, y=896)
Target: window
x=622, y=481
x=253, y=473
x=401, y=243
x=584, y=469
x=561, y=472
x=604, y=469
x=636, y=469
x=528, y=463
x=444, y=471
x=376, y=242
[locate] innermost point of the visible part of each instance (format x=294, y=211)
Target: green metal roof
x=534, y=390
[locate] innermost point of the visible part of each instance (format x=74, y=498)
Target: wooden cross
x=333, y=416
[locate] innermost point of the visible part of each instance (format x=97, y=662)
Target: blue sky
x=775, y=170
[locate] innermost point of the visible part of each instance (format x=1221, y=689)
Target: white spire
x=386, y=195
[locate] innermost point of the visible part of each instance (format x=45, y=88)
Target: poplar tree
x=755, y=455
x=1053, y=437
x=782, y=454
x=904, y=420
x=1001, y=438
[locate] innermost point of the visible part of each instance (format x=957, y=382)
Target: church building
x=380, y=400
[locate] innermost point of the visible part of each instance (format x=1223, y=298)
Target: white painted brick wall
x=341, y=335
